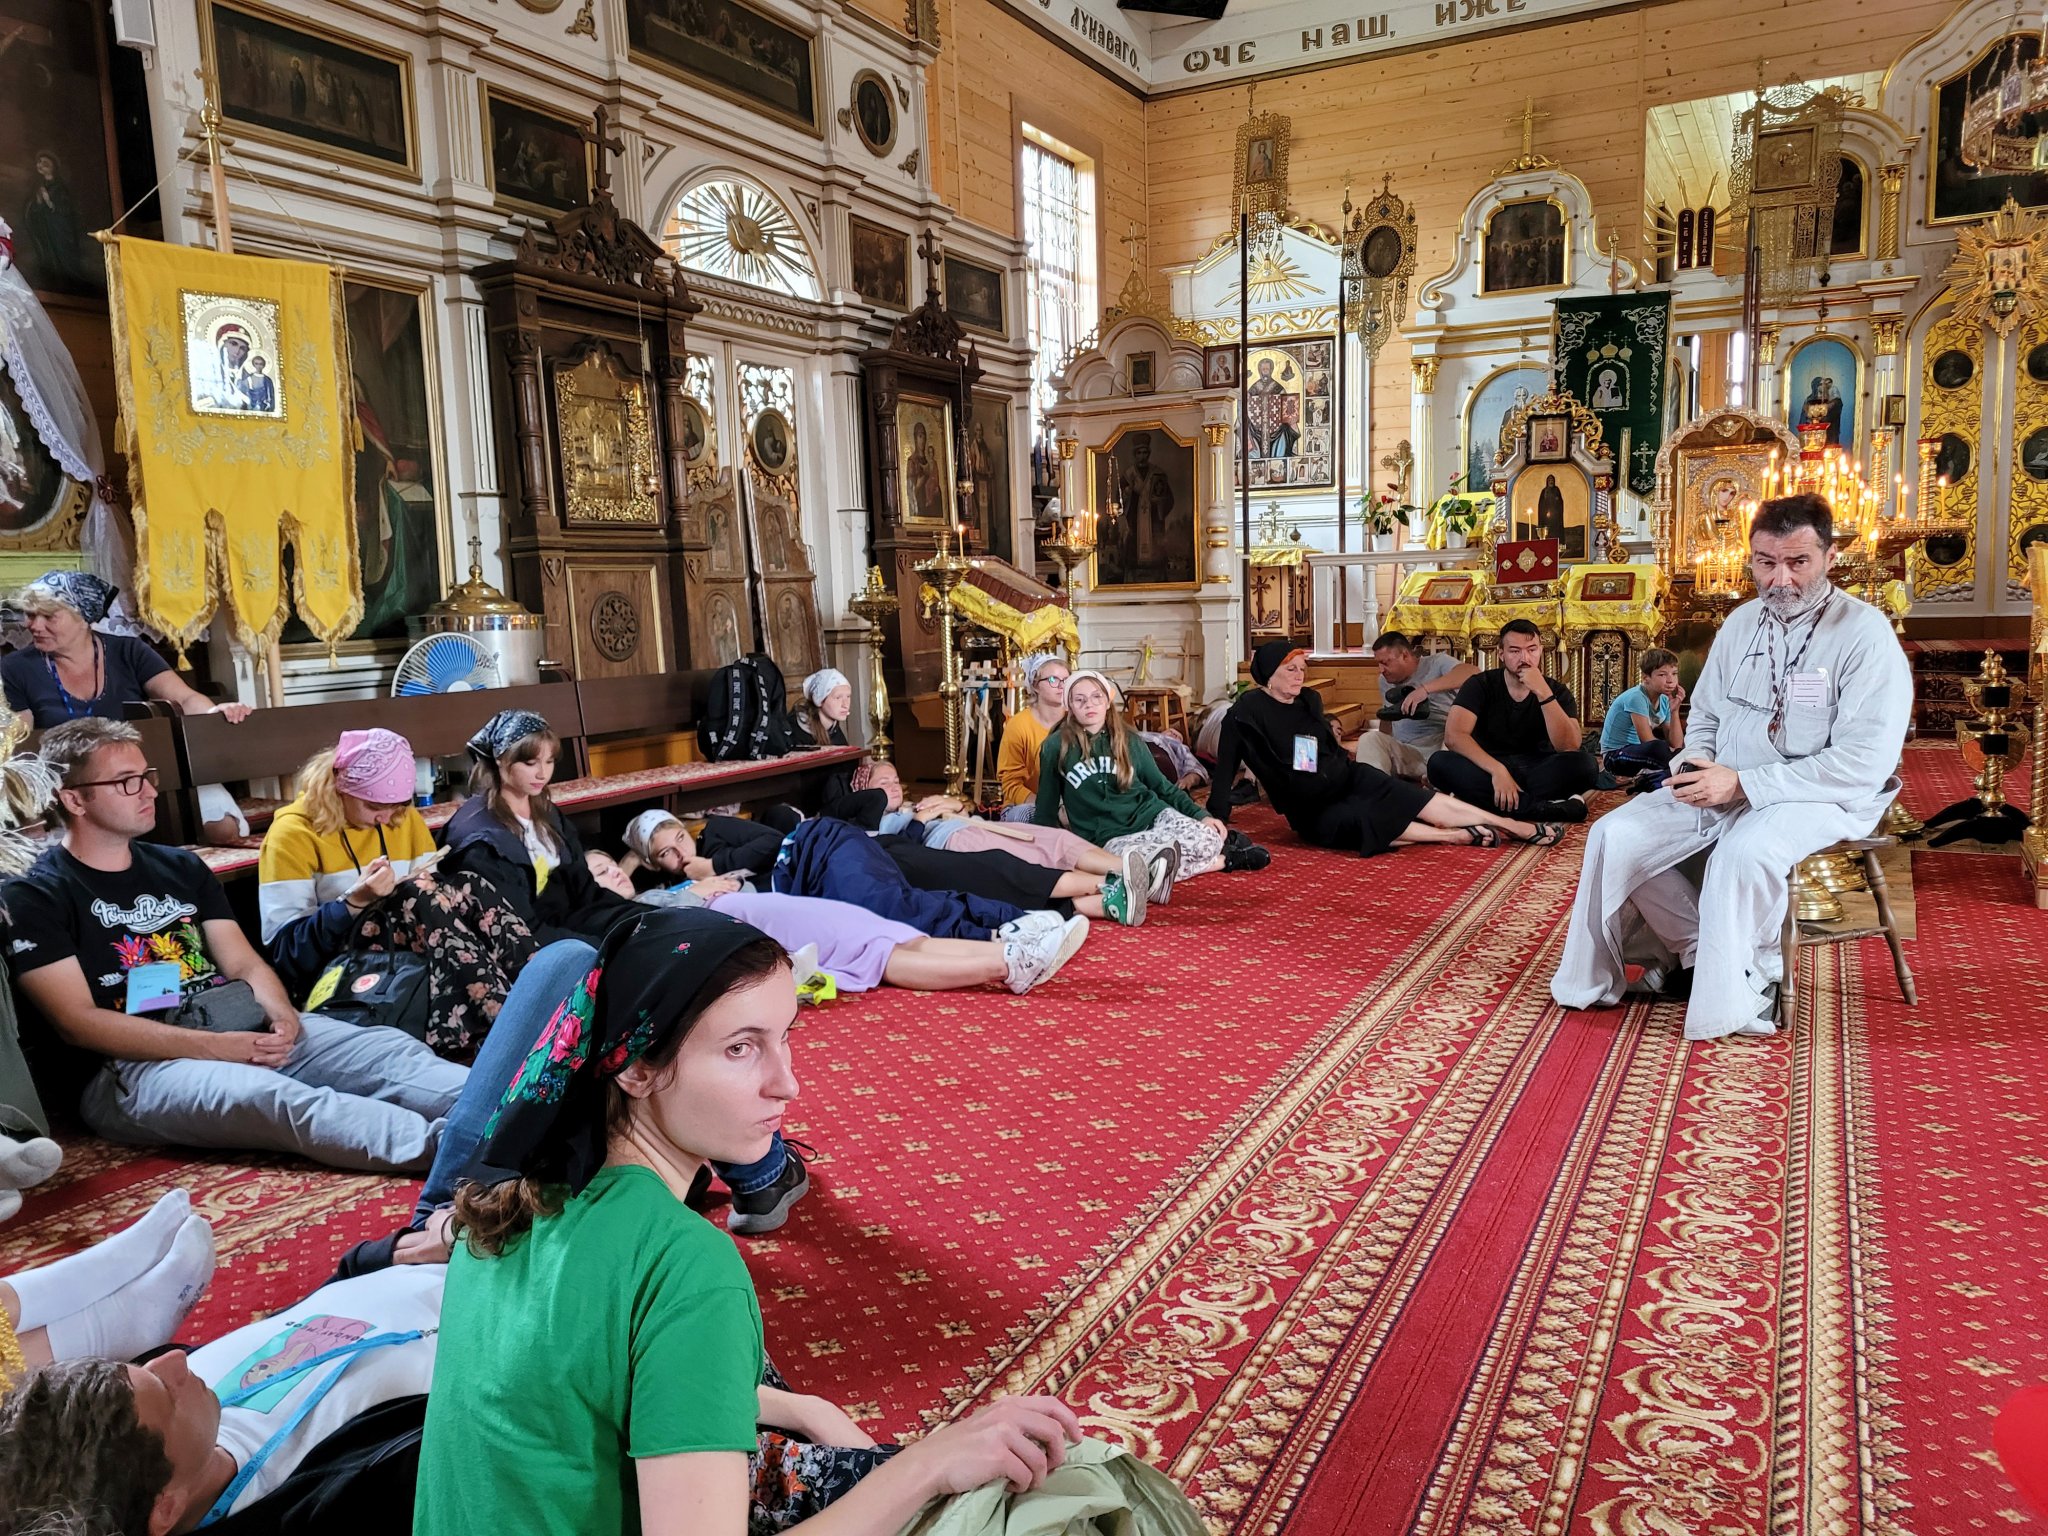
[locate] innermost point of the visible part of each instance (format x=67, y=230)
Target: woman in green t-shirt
x=600, y=1365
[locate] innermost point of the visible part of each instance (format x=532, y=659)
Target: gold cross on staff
x=928, y=249
x=1528, y=160
x=600, y=137
x=1138, y=238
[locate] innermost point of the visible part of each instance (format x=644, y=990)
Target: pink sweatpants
x=1052, y=847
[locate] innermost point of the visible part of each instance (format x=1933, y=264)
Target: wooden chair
x=1796, y=938
x=1161, y=703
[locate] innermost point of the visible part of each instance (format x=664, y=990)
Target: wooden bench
x=160, y=751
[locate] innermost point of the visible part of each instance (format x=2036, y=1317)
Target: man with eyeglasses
x=163, y=1014
x=1797, y=720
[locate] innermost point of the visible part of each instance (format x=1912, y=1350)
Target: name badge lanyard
x=99, y=672
x=1781, y=682
x=344, y=1355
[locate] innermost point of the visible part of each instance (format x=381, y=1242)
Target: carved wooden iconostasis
x=717, y=592
x=588, y=321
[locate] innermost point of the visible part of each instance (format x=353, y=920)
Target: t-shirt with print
x=1504, y=726
x=1425, y=732
x=1618, y=729
x=405, y=1298
x=111, y=921
x=622, y=1329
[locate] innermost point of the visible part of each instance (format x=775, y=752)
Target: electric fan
x=451, y=663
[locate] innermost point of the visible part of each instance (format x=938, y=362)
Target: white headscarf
x=1116, y=694
x=821, y=683
x=640, y=831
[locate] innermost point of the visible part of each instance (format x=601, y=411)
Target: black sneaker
x=766, y=1209
x=1571, y=808
x=1247, y=855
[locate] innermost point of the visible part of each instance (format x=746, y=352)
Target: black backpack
x=747, y=715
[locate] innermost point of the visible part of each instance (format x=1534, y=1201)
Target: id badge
x=155, y=986
x=1807, y=690
x=1304, y=754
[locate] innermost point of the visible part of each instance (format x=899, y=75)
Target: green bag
x=1100, y=1490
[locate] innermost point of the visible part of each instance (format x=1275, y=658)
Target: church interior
x=750, y=399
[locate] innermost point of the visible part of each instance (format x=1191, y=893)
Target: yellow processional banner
x=234, y=388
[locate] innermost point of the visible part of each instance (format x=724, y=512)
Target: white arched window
x=733, y=229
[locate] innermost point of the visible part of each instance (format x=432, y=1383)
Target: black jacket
x=864, y=807
x=572, y=906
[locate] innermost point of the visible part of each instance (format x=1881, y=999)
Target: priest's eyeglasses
x=128, y=783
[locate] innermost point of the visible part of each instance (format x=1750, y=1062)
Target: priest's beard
x=1788, y=604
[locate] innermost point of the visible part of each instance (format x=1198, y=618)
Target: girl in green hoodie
x=1096, y=766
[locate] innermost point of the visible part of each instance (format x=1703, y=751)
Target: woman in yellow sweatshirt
x=337, y=873
x=1024, y=733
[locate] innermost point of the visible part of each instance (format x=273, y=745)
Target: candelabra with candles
x=875, y=603
x=944, y=571
x=1072, y=543
x=1996, y=743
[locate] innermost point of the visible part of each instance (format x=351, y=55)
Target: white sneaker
x=10, y=1204
x=804, y=964
x=1038, y=957
x=1029, y=926
x=1165, y=866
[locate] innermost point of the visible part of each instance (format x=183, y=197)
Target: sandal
x=1483, y=836
x=1548, y=834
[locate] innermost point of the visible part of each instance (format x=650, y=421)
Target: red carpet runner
x=1308, y=1193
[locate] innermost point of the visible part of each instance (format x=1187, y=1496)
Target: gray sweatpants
x=364, y=1099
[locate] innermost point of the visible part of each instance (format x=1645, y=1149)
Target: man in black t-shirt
x=109, y=937
x=1512, y=742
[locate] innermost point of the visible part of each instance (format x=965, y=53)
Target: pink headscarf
x=374, y=765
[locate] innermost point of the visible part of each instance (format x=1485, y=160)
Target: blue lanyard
x=99, y=667
x=346, y=1354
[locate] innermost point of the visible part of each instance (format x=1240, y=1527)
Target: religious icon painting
x=539, y=161
x=1145, y=491
x=1447, y=591
x=872, y=112
x=1895, y=405
x=34, y=490
x=697, y=440
x=1382, y=252
x=1554, y=502
x=1952, y=369
x=774, y=442
x=1142, y=370
x=924, y=461
x=881, y=263
x=1493, y=402
x=1550, y=439
x=732, y=49
x=987, y=474
x=1289, y=416
x=283, y=80
x=1524, y=247
x=233, y=365
x=974, y=295
x=58, y=181
x=1824, y=387
x=1785, y=159
x=1219, y=367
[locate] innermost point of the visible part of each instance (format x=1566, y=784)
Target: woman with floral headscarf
x=577, y=1248
x=509, y=832
x=72, y=670
x=341, y=871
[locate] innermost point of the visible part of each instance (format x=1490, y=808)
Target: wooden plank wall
x=1438, y=118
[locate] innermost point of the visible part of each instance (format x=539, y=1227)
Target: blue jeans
x=1025, y=812
x=542, y=986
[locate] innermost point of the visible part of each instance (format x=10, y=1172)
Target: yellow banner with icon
x=236, y=414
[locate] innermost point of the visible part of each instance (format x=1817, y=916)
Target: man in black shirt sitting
x=1513, y=742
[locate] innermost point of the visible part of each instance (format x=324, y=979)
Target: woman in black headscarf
x=1279, y=731
x=600, y=1365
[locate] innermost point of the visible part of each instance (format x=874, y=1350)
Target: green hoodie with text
x=1098, y=808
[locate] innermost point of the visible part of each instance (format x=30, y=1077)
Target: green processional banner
x=1610, y=355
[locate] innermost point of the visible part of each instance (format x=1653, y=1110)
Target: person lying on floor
x=1096, y=769
x=1643, y=729
x=341, y=871
x=828, y=858
x=129, y=952
x=122, y=1297
x=579, y=1245
x=1279, y=729
x=1798, y=719
x=510, y=833
x=822, y=720
x=1513, y=743
x=944, y=822
x=859, y=950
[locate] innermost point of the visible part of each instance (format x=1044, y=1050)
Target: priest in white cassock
x=1794, y=736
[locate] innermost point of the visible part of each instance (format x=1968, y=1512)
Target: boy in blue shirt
x=1643, y=729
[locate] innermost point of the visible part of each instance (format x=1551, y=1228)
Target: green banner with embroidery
x=1611, y=354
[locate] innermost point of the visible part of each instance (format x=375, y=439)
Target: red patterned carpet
x=1308, y=1192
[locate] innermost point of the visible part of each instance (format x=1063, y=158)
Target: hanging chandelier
x=1997, y=118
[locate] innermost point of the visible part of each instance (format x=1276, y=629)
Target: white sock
x=10, y=1204
x=75, y=1283
x=146, y=1312
x=25, y=1164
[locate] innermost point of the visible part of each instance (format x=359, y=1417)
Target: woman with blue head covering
x=509, y=832
x=72, y=670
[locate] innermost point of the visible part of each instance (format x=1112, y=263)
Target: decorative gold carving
x=1379, y=256
x=1217, y=432
x=1999, y=275
x=606, y=443
x=2029, y=512
x=1884, y=334
x=1274, y=325
x=1068, y=448
x=1892, y=185
x=911, y=162
x=585, y=24
x=1424, y=369
x=1786, y=170
x=1258, y=181
x=1767, y=344
x=1958, y=412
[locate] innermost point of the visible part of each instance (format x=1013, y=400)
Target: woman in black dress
x=1279, y=731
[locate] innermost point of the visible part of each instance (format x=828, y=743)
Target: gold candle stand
x=944, y=571
x=875, y=603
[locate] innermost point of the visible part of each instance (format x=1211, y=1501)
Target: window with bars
x=1059, y=260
